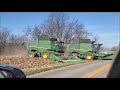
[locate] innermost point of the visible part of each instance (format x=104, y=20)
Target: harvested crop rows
x=24, y=62
x=36, y=65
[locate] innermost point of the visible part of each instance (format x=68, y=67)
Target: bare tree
x=37, y=30
x=114, y=48
x=4, y=34
x=55, y=24
x=68, y=33
x=14, y=44
x=95, y=38
x=13, y=38
x=27, y=31
x=79, y=33
x=11, y=44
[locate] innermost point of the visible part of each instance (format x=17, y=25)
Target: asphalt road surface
x=97, y=69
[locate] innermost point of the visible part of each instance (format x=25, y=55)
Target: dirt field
x=23, y=62
x=31, y=66
x=36, y=65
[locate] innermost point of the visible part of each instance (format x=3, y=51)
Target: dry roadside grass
x=32, y=66
x=29, y=71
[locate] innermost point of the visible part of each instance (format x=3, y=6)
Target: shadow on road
x=107, y=59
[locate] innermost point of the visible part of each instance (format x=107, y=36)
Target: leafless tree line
x=57, y=25
x=9, y=43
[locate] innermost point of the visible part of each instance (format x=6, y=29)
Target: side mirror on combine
x=23, y=43
x=8, y=71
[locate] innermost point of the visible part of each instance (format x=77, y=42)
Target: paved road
x=97, y=69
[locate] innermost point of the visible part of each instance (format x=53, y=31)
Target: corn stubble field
x=24, y=62
x=36, y=65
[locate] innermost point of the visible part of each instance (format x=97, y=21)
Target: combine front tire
x=45, y=55
x=89, y=56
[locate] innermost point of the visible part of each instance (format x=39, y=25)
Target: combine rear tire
x=89, y=56
x=45, y=55
x=31, y=54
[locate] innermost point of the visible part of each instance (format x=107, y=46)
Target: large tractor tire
x=89, y=56
x=31, y=54
x=46, y=54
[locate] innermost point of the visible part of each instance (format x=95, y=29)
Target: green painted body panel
x=84, y=47
x=80, y=48
x=39, y=45
x=56, y=58
x=43, y=43
x=103, y=54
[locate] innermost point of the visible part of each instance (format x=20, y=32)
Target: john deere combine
x=87, y=49
x=50, y=48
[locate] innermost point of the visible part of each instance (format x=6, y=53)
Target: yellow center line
x=89, y=75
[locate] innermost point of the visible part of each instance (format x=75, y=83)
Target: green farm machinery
x=87, y=49
x=48, y=48
x=51, y=48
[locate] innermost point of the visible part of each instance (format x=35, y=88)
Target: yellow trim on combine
x=32, y=46
x=38, y=47
x=76, y=49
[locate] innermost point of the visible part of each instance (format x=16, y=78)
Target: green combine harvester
x=48, y=48
x=87, y=49
x=51, y=48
